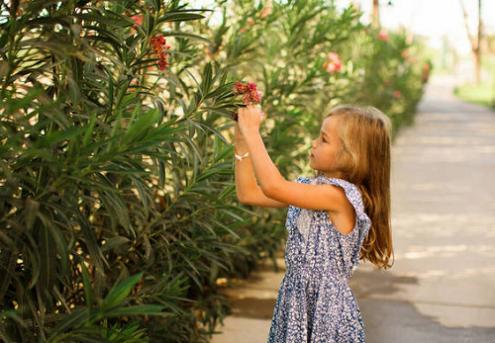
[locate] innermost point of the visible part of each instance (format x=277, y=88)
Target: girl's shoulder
x=351, y=190
x=322, y=179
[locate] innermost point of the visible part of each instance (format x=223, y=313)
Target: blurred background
x=460, y=35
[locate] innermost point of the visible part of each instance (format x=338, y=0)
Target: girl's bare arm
x=274, y=186
x=247, y=189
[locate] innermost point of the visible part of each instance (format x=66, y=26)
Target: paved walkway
x=442, y=285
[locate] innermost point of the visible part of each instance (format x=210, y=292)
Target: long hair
x=365, y=133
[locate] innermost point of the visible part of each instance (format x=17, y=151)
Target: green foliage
x=483, y=94
x=95, y=175
x=117, y=201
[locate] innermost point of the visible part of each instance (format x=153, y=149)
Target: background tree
x=475, y=40
x=375, y=13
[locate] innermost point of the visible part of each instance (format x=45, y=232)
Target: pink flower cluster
x=251, y=94
x=383, y=35
x=333, y=63
x=267, y=9
x=158, y=42
x=138, y=20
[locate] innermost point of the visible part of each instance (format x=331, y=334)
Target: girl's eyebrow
x=324, y=133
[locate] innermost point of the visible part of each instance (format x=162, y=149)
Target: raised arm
x=247, y=189
x=273, y=185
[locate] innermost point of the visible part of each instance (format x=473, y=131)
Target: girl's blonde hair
x=365, y=134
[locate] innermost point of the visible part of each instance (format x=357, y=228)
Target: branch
x=470, y=36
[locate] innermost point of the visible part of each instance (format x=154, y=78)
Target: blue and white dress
x=315, y=303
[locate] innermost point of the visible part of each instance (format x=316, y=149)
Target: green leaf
x=120, y=291
x=174, y=16
x=139, y=127
x=70, y=321
x=88, y=289
x=56, y=137
x=207, y=79
x=136, y=310
x=89, y=130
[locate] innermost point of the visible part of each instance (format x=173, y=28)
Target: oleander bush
x=118, y=214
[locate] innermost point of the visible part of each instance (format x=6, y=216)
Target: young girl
x=334, y=220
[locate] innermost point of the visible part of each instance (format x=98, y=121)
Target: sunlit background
x=441, y=24
x=441, y=21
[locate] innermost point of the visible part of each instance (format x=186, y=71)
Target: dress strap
x=302, y=179
x=354, y=195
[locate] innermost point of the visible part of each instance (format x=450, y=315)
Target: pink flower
x=397, y=94
x=383, y=35
x=249, y=91
x=239, y=87
x=250, y=21
x=410, y=38
x=138, y=19
x=333, y=63
x=158, y=43
x=266, y=10
x=251, y=87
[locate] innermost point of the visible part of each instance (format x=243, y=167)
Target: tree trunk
x=475, y=41
x=375, y=17
x=477, y=58
x=477, y=66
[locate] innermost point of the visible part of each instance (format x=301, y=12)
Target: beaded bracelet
x=240, y=157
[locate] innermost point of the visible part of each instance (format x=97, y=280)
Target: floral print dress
x=315, y=302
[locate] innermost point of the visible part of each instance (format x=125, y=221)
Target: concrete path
x=442, y=285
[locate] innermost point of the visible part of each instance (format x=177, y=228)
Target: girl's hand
x=250, y=118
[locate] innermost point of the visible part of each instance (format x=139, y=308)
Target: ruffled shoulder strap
x=354, y=195
x=303, y=179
